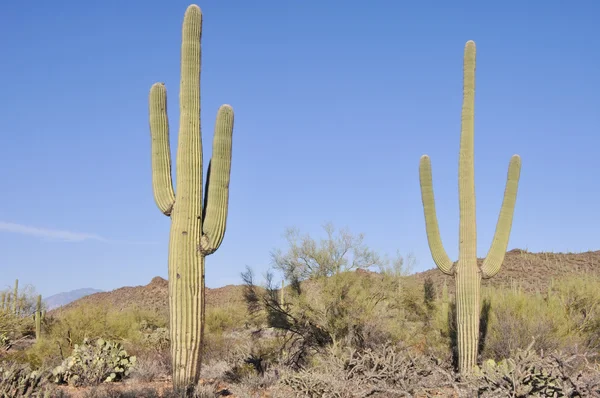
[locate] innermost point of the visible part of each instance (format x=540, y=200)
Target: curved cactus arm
x=217, y=183
x=493, y=261
x=438, y=252
x=162, y=183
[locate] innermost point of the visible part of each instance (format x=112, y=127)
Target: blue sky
x=334, y=106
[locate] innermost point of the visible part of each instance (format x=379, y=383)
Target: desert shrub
x=331, y=299
x=153, y=337
x=512, y=325
x=112, y=392
x=137, y=329
x=221, y=319
x=18, y=380
x=152, y=366
x=44, y=353
x=580, y=301
x=530, y=374
x=348, y=373
x=94, y=362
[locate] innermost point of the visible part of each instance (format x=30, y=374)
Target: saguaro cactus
x=38, y=317
x=467, y=274
x=197, y=227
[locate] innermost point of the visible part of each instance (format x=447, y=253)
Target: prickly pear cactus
x=94, y=362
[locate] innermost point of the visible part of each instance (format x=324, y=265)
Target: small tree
x=307, y=259
x=325, y=303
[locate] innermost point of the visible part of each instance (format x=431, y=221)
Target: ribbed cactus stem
x=282, y=293
x=3, y=301
x=467, y=274
x=16, y=298
x=197, y=226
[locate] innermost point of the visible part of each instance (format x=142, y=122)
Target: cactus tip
x=158, y=86
x=193, y=8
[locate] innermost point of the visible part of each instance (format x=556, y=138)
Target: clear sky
x=334, y=103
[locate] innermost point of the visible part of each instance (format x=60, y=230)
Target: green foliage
x=17, y=380
x=339, y=251
x=511, y=324
x=94, y=362
x=220, y=319
x=97, y=321
x=154, y=337
x=16, y=322
x=579, y=298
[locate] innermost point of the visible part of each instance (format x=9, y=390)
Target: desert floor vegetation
x=348, y=322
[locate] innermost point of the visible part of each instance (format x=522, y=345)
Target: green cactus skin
x=197, y=228
x=16, y=298
x=38, y=317
x=467, y=274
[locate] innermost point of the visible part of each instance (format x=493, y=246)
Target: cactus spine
x=197, y=227
x=467, y=274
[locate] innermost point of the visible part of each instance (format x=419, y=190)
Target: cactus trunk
x=197, y=226
x=467, y=274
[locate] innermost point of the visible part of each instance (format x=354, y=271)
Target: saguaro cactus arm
x=493, y=261
x=438, y=252
x=217, y=183
x=162, y=183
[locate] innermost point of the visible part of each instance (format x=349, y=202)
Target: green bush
x=94, y=362
x=516, y=317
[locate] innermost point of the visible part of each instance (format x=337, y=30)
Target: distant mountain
x=65, y=298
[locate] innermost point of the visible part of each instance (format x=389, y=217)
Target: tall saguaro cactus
x=197, y=226
x=38, y=317
x=467, y=274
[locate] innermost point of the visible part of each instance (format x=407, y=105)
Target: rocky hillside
x=531, y=270
x=152, y=297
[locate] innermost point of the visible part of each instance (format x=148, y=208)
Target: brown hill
x=152, y=297
x=532, y=271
